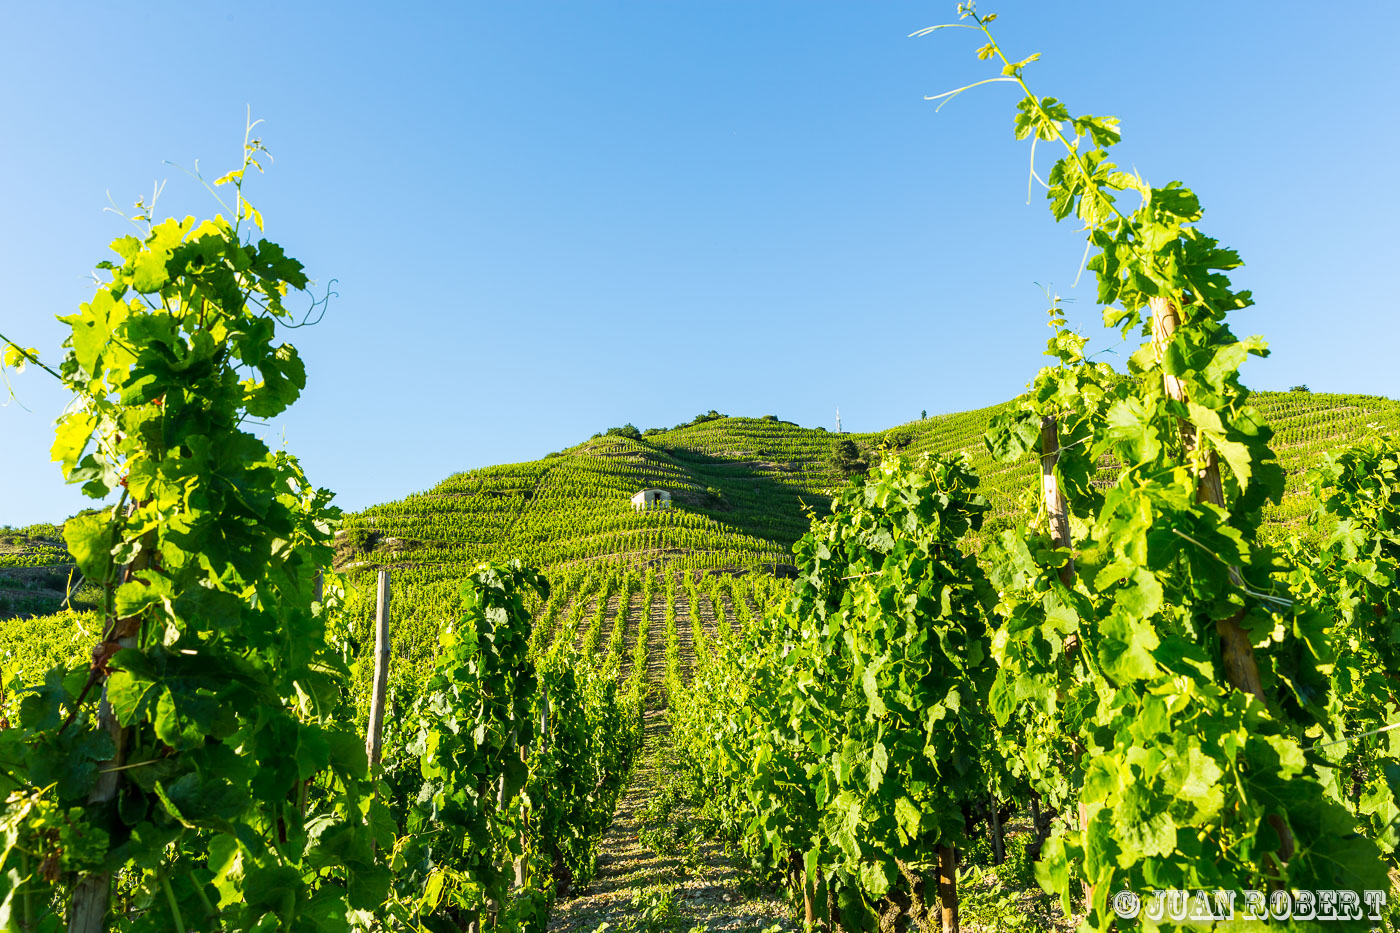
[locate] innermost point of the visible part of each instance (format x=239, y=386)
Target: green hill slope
x=739, y=486
x=742, y=489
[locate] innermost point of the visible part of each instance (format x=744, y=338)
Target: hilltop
x=742, y=490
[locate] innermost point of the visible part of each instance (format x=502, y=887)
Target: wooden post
x=948, y=888
x=998, y=842
x=317, y=595
x=1236, y=651
x=375, y=737
x=1241, y=670
x=93, y=892
x=798, y=867
x=1055, y=506
x=1057, y=509
x=520, y=859
x=493, y=907
x=544, y=720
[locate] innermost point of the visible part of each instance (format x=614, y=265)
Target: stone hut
x=651, y=499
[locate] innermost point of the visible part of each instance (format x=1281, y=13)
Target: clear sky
x=546, y=219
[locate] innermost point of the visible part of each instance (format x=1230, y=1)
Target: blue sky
x=548, y=219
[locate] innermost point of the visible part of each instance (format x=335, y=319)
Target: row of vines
x=1201, y=710
x=202, y=766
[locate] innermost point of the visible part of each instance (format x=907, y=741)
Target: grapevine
x=201, y=755
x=1144, y=653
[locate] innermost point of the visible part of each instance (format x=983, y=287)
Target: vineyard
x=571, y=509
x=1050, y=665
x=664, y=603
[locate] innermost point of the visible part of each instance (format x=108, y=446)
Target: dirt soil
x=709, y=891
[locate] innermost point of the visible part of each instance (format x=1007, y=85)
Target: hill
x=645, y=595
x=34, y=570
x=740, y=489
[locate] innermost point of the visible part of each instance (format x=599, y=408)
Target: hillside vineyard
x=574, y=507
x=571, y=515
x=1039, y=667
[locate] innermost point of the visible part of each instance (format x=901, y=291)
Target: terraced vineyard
x=740, y=488
x=646, y=595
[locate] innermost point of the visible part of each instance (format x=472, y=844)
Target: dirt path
x=581, y=623
x=705, y=609
x=688, y=887
x=656, y=870
x=612, y=616
x=559, y=620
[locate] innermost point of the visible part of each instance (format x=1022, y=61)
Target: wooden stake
x=544, y=720
x=1055, y=506
x=520, y=860
x=93, y=892
x=948, y=887
x=809, y=902
x=1057, y=509
x=998, y=843
x=375, y=738
x=1241, y=669
x=1236, y=651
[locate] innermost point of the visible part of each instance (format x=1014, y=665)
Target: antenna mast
x=838, y=421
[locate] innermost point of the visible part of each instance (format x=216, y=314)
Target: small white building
x=651, y=499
